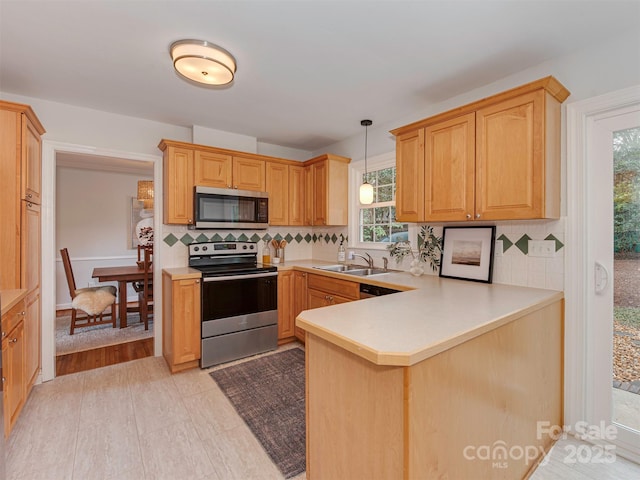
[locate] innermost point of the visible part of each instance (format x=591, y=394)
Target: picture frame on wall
x=467, y=253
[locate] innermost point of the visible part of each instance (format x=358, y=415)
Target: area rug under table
x=268, y=393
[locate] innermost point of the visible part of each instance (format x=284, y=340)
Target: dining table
x=123, y=275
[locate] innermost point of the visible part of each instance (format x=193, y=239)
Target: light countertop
x=10, y=298
x=429, y=316
x=408, y=327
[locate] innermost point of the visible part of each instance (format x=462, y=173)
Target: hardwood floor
x=101, y=357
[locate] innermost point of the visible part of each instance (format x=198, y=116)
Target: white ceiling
x=308, y=71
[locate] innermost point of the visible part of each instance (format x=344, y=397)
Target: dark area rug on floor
x=268, y=393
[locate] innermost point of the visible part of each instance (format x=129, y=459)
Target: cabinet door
x=297, y=197
x=320, y=298
x=277, y=184
x=449, y=169
x=30, y=246
x=212, y=169
x=13, y=372
x=308, y=195
x=285, y=305
x=319, y=214
x=410, y=176
x=178, y=185
x=510, y=159
x=248, y=174
x=31, y=164
x=32, y=335
x=300, y=300
x=186, y=320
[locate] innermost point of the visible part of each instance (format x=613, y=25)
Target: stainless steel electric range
x=239, y=301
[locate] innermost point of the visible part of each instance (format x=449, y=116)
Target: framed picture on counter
x=467, y=253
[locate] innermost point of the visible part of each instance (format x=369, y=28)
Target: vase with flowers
x=429, y=249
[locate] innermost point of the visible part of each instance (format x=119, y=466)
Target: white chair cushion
x=93, y=301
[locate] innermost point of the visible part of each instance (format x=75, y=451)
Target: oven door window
x=228, y=298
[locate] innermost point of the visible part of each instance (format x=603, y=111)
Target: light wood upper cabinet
x=495, y=159
x=410, y=176
x=248, y=174
x=31, y=161
x=314, y=192
x=277, y=185
x=181, y=322
x=449, y=169
x=297, y=197
x=330, y=190
x=178, y=168
x=213, y=169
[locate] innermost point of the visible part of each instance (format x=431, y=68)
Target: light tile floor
x=137, y=421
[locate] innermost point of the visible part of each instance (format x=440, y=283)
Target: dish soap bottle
x=266, y=254
x=342, y=254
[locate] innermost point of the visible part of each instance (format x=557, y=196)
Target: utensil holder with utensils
x=278, y=248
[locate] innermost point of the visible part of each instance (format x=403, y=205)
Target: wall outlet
x=542, y=248
x=498, y=251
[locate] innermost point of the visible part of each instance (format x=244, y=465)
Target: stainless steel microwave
x=228, y=208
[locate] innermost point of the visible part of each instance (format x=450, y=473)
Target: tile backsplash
x=512, y=263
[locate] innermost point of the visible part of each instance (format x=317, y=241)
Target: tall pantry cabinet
x=20, y=225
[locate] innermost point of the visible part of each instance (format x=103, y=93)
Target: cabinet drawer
x=13, y=318
x=343, y=288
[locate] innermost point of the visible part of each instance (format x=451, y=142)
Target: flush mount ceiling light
x=203, y=62
x=366, y=189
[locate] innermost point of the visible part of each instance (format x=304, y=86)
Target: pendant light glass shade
x=203, y=62
x=366, y=189
x=145, y=193
x=366, y=193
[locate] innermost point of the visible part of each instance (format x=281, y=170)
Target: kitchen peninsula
x=447, y=380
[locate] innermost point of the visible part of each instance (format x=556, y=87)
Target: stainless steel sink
x=365, y=272
x=340, y=268
x=359, y=270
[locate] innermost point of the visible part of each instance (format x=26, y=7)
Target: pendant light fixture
x=366, y=189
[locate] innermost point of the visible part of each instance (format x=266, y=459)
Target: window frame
x=356, y=171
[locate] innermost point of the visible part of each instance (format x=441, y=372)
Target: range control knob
x=204, y=249
x=195, y=249
x=252, y=247
x=244, y=247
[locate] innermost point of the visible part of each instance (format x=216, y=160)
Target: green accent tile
x=523, y=244
x=186, y=239
x=255, y=237
x=315, y=238
x=288, y=237
x=327, y=237
x=298, y=238
x=229, y=238
x=308, y=238
x=202, y=238
x=278, y=237
x=266, y=237
x=243, y=238
x=334, y=238
x=559, y=244
x=506, y=243
x=170, y=239
x=216, y=238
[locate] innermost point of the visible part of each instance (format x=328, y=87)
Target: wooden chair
x=145, y=288
x=93, y=301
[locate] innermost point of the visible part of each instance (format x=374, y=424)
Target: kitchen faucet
x=367, y=259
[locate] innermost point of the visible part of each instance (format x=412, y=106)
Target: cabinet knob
x=189, y=221
x=197, y=281
x=468, y=216
x=23, y=313
x=235, y=186
x=304, y=274
x=14, y=340
x=29, y=195
x=477, y=215
x=29, y=204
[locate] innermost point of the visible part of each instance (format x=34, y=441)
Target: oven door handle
x=239, y=277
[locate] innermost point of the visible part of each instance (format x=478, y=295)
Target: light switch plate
x=542, y=248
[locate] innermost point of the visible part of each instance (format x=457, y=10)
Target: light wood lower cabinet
x=286, y=297
x=181, y=335
x=299, y=300
x=435, y=419
x=13, y=365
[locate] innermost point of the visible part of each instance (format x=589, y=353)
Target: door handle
x=601, y=278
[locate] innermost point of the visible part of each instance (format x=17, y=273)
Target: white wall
x=93, y=211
